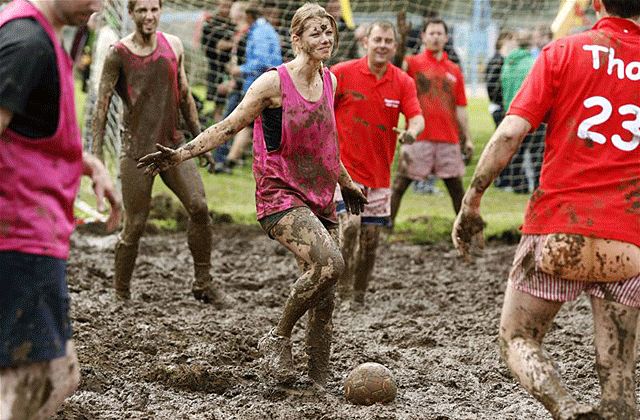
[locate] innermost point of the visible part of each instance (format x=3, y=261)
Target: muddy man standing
x=146, y=68
x=582, y=226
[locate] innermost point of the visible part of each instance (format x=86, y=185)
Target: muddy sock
x=456, y=192
x=200, y=242
x=125, y=260
x=349, y=234
x=616, y=410
x=365, y=261
x=318, y=338
x=400, y=185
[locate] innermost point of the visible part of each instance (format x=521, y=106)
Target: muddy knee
x=134, y=226
x=334, y=268
x=199, y=213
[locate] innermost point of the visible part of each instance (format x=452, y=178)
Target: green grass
x=421, y=219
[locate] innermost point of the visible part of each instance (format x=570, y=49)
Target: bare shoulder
x=112, y=58
x=128, y=42
x=176, y=44
x=266, y=88
x=334, y=81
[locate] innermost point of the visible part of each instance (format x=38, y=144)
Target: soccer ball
x=370, y=383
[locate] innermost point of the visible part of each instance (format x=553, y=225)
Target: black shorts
x=269, y=222
x=34, y=308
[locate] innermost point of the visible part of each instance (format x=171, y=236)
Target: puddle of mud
x=430, y=319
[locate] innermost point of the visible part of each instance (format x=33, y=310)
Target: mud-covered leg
x=136, y=198
x=319, y=336
x=302, y=233
x=524, y=323
x=184, y=180
x=35, y=391
x=615, y=340
x=400, y=185
x=366, y=259
x=349, y=237
x=320, y=332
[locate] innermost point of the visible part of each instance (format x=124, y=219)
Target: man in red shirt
x=370, y=96
x=441, y=93
x=582, y=225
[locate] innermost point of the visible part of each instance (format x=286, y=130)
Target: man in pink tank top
x=41, y=161
x=296, y=166
x=146, y=70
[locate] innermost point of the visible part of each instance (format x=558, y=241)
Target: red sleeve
x=409, y=60
x=410, y=106
x=461, y=96
x=536, y=95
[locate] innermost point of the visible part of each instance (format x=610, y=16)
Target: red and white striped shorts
x=526, y=277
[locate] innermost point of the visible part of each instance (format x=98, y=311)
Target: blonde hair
x=309, y=11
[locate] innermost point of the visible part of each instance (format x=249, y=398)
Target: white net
x=474, y=29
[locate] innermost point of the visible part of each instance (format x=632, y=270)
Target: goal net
x=474, y=28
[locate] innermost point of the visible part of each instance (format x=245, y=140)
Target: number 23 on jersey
x=632, y=126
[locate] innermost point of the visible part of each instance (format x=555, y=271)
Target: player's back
x=586, y=87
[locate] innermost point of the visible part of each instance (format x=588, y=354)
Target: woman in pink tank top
x=296, y=166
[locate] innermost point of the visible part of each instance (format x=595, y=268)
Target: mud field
x=430, y=318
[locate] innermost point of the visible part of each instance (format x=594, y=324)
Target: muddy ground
x=430, y=318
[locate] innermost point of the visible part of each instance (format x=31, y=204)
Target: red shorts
x=526, y=277
x=424, y=158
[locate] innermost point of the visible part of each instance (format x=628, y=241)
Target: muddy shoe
x=579, y=412
x=277, y=362
x=209, y=292
x=123, y=293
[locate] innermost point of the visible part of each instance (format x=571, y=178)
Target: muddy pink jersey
x=148, y=86
x=40, y=177
x=297, y=164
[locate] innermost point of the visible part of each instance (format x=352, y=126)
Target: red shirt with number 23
x=587, y=88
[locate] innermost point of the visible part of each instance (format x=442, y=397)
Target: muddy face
x=146, y=17
x=318, y=38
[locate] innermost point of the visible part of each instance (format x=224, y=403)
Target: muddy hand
x=404, y=137
x=467, y=152
x=467, y=231
x=206, y=161
x=354, y=199
x=163, y=159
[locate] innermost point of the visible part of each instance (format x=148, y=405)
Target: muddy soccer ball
x=370, y=383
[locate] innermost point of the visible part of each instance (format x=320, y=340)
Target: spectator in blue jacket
x=263, y=52
x=263, y=49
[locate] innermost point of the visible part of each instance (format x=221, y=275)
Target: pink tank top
x=40, y=177
x=149, y=88
x=304, y=169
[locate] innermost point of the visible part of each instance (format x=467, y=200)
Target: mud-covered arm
x=108, y=80
x=187, y=104
x=263, y=93
x=5, y=118
x=415, y=125
x=495, y=157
